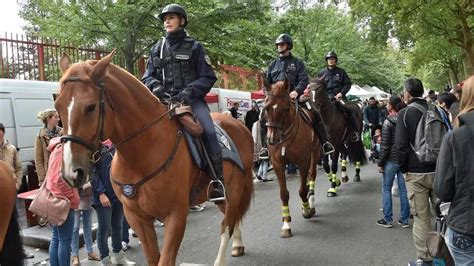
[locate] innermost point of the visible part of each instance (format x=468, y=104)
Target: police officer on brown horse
x=179, y=66
x=286, y=66
x=337, y=84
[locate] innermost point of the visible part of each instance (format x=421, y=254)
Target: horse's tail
x=12, y=252
x=356, y=152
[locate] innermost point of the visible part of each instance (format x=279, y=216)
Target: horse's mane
x=82, y=69
x=279, y=86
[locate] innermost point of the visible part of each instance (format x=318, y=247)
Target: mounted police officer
x=286, y=66
x=179, y=66
x=337, y=84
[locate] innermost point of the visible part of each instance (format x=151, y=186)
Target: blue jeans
x=390, y=171
x=291, y=168
x=60, y=246
x=109, y=218
x=461, y=247
x=125, y=234
x=262, y=169
x=86, y=228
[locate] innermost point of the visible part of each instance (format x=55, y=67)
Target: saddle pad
x=229, y=150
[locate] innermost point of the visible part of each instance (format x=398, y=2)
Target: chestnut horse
x=11, y=249
x=99, y=101
x=291, y=140
x=338, y=129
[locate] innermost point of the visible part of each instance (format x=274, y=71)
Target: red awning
x=257, y=95
x=211, y=97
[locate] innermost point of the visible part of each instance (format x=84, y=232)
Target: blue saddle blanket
x=228, y=148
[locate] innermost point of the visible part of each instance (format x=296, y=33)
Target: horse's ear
x=65, y=62
x=99, y=69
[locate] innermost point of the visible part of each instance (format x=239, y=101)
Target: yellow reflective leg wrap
x=311, y=185
x=305, y=205
x=344, y=163
x=357, y=165
x=333, y=177
x=285, y=211
x=332, y=190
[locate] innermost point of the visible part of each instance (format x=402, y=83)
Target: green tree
x=413, y=20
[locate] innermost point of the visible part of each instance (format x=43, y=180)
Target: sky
x=10, y=22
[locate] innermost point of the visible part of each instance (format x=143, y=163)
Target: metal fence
x=32, y=58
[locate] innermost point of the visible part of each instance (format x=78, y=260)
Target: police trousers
x=202, y=114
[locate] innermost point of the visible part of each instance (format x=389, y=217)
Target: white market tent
x=356, y=90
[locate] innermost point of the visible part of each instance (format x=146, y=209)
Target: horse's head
x=318, y=90
x=277, y=105
x=84, y=109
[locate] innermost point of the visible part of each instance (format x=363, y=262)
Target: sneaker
x=403, y=225
x=197, y=208
x=267, y=179
x=420, y=262
x=125, y=246
x=384, y=223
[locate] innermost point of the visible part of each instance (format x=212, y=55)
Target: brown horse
x=338, y=128
x=11, y=249
x=99, y=101
x=291, y=140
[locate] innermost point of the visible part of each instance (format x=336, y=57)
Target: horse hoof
x=332, y=194
x=345, y=179
x=238, y=251
x=310, y=214
x=286, y=233
x=356, y=178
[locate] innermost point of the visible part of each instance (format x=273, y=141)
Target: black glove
x=186, y=95
x=159, y=91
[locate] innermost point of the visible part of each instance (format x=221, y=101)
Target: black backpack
x=429, y=133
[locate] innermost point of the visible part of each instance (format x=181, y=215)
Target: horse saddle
x=192, y=130
x=306, y=114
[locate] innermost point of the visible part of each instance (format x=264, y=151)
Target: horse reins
x=129, y=190
x=100, y=128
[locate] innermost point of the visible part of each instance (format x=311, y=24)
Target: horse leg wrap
x=285, y=214
x=343, y=168
x=305, y=206
x=357, y=170
x=311, y=185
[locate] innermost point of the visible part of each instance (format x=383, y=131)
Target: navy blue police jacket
x=291, y=68
x=203, y=77
x=336, y=81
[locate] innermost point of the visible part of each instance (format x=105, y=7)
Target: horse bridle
x=95, y=147
x=280, y=125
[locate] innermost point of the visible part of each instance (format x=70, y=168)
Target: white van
x=20, y=101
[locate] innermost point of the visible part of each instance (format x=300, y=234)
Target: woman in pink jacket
x=61, y=236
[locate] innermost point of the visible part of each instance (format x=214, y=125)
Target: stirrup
x=328, y=148
x=210, y=189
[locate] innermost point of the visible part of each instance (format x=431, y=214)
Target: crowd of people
x=395, y=132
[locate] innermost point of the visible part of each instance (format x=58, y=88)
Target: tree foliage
x=233, y=32
x=415, y=23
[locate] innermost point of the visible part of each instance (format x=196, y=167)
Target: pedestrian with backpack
x=418, y=136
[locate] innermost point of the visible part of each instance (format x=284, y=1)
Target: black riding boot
x=355, y=132
x=217, y=194
x=320, y=130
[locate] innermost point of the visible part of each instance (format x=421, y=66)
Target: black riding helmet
x=285, y=38
x=329, y=55
x=174, y=8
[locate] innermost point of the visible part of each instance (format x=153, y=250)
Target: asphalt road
x=343, y=231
